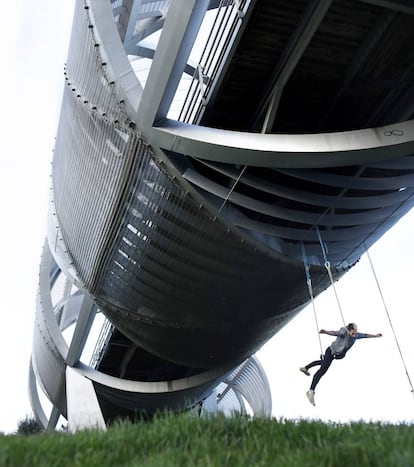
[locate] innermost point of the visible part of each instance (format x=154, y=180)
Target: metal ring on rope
x=327, y=265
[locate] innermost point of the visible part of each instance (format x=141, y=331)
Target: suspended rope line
x=232, y=188
x=327, y=265
x=389, y=320
x=309, y=282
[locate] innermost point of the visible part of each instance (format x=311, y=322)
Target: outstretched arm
x=330, y=333
x=373, y=335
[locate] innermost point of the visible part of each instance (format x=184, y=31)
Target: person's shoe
x=303, y=369
x=311, y=396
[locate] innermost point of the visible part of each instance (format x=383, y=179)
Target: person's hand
x=379, y=335
x=322, y=331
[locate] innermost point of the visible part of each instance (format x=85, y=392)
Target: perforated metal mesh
x=91, y=167
x=246, y=382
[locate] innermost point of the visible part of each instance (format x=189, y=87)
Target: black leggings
x=325, y=363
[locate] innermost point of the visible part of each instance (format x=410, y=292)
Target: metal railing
x=226, y=25
x=101, y=343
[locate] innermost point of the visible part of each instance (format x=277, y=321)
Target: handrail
x=226, y=24
x=101, y=343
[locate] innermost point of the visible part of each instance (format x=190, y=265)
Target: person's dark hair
x=351, y=326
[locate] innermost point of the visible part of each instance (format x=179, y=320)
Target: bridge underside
x=192, y=184
x=329, y=66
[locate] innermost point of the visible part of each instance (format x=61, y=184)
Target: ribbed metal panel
x=117, y=396
x=85, y=72
x=175, y=275
x=92, y=162
x=93, y=145
x=49, y=347
x=347, y=204
x=49, y=365
x=249, y=381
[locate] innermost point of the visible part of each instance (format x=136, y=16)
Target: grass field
x=218, y=441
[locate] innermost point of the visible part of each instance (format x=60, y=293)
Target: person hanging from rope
x=345, y=339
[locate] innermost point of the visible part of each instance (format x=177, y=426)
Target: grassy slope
x=219, y=441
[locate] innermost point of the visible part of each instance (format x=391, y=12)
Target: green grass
x=188, y=441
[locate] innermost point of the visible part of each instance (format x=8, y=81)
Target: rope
x=309, y=282
x=327, y=265
x=232, y=188
x=389, y=320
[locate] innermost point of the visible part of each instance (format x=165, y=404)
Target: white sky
x=369, y=384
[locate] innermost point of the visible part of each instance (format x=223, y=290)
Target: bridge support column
x=83, y=408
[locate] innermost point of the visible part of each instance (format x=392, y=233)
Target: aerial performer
x=345, y=339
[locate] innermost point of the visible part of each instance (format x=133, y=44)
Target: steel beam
x=300, y=39
x=177, y=38
x=82, y=328
x=287, y=151
x=401, y=6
